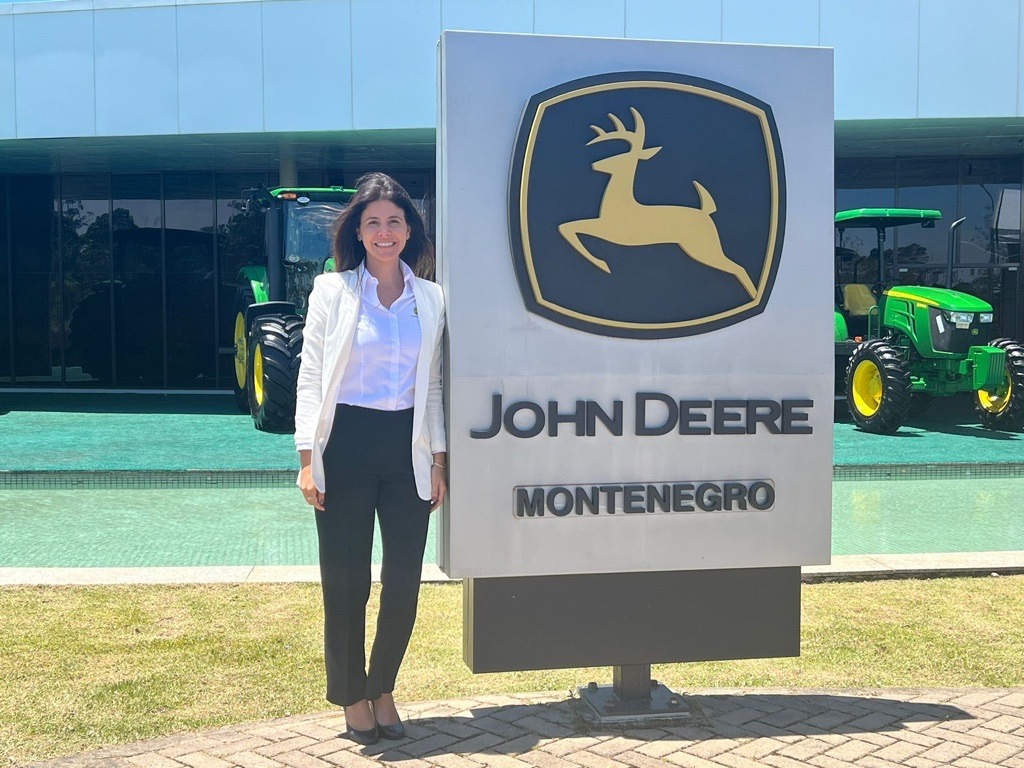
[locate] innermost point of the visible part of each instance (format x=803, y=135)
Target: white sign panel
x=636, y=250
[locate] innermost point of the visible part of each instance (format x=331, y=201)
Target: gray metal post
x=288, y=167
x=632, y=682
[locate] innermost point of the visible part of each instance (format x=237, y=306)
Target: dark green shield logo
x=646, y=205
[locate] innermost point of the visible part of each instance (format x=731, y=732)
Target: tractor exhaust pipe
x=953, y=250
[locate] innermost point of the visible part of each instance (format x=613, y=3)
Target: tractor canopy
x=883, y=218
x=940, y=298
x=315, y=194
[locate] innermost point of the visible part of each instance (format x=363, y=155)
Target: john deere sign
x=636, y=245
x=646, y=204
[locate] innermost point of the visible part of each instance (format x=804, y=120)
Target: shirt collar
x=369, y=282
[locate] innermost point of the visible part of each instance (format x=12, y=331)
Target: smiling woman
x=369, y=389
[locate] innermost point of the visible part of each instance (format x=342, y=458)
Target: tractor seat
x=858, y=300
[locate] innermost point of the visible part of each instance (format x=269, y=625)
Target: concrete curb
x=842, y=568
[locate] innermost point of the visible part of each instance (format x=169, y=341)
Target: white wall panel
x=136, y=71
x=7, y=120
x=867, y=52
x=54, y=74
x=969, y=58
x=1020, y=62
x=394, y=63
x=673, y=20
x=593, y=18
x=313, y=92
x=220, y=68
x=153, y=67
x=500, y=16
x=779, y=22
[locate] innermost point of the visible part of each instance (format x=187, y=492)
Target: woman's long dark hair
x=347, y=249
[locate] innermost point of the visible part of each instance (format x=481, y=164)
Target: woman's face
x=383, y=231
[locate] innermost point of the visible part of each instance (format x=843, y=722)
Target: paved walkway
x=728, y=729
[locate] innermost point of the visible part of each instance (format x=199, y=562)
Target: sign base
x=602, y=705
x=628, y=619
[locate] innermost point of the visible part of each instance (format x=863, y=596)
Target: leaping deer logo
x=624, y=221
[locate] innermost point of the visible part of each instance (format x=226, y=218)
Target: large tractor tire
x=878, y=388
x=1003, y=407
x=275, y=347
x=240, y=339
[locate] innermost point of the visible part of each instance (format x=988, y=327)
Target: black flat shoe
x=392, y=732
x=367, y=738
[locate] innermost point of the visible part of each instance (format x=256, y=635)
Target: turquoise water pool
x=272, y=526
x=936, y=515
x=128, y=528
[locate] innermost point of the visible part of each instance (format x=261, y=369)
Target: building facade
x=130, y=128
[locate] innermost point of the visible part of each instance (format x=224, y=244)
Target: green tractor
x=899, y=347
x=271, y=301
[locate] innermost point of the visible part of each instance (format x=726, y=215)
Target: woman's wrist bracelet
x=437, y=464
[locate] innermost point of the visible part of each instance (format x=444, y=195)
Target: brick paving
x=971, y=728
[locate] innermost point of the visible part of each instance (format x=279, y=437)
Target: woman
x=369, y=429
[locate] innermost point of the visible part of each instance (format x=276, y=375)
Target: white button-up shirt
x=381, y=369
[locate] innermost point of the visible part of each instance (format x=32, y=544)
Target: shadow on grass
x=516, y=729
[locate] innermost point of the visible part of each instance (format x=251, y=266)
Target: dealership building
x=129, y=130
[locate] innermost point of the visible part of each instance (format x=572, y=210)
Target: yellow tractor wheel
x=240, y=341
x=878, y=387
x=1002, y=407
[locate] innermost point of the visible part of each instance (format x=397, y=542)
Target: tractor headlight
x=960, y=319
x=985, y=317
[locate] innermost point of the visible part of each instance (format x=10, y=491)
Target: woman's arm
x=435, y=418
x=308, y=390
x=309, y=394
x=435, y=397
x=310, y=492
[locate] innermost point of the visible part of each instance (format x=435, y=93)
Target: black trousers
x=367, y=468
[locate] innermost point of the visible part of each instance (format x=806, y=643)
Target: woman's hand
x=438, y=480
x=309, y=489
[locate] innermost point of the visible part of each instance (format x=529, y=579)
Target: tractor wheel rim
x=240, y=351
x=996, y=400
x=867, y=388
x=257, y=374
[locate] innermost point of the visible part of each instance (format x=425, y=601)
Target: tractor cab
x=273, y=296
x=297, y=239
x=860, y=280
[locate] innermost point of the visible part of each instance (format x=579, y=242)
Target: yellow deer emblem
x=624, y=221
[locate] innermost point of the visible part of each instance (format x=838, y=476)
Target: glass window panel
x=189, y=244
x=861, y=183
x=239, y=244
x=932, y=276
x=990, y=199
x=85, y=246
x=925, y=183
x=5, y=284
x=35, y=287
x=138, y=281
x=865, y=183
x=311, y=177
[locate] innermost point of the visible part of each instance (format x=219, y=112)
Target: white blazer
x=327, y=341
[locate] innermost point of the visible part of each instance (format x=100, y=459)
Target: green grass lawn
x=84, y=667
